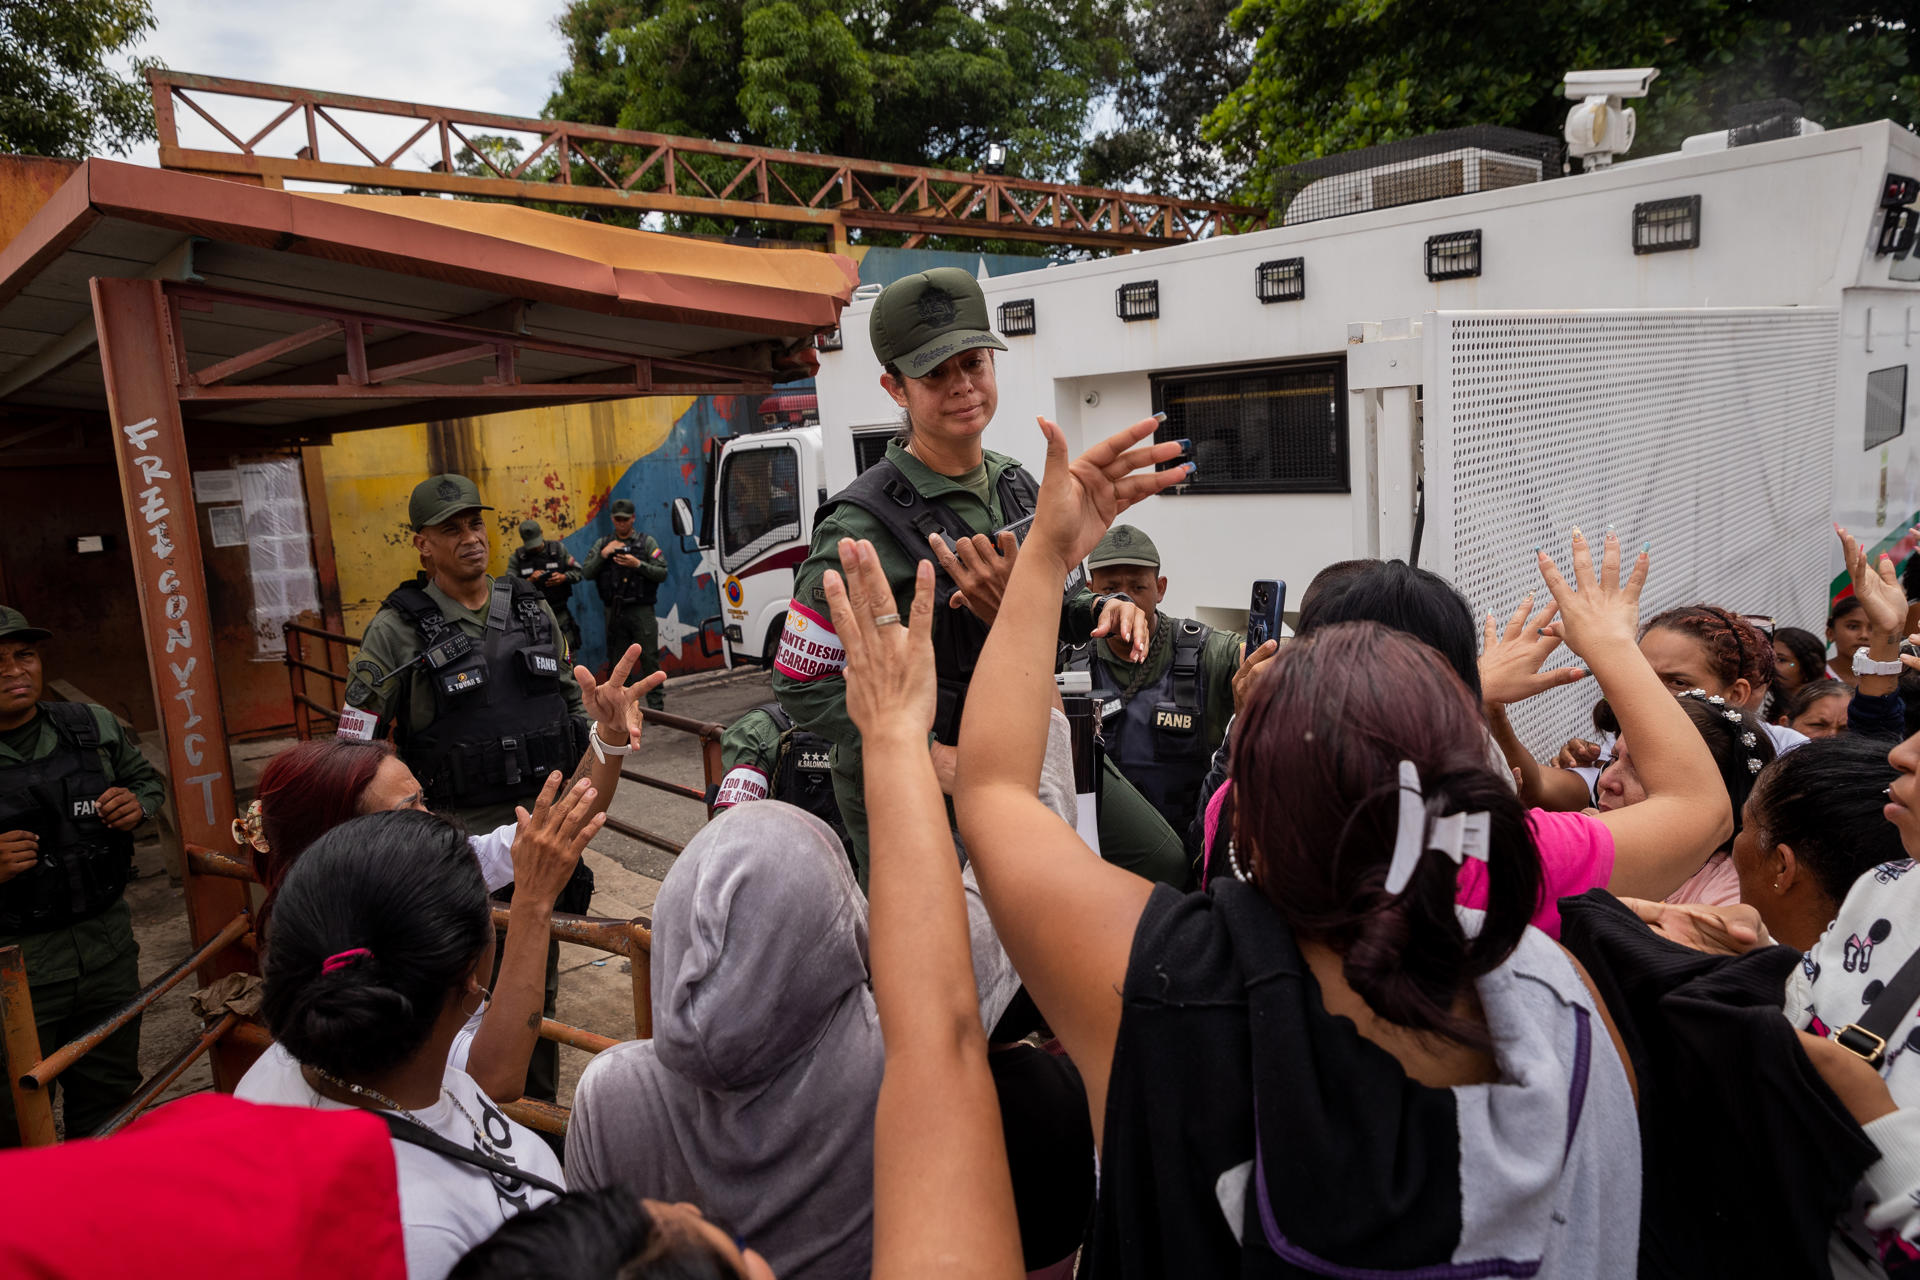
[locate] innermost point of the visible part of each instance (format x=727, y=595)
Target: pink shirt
x=1576, y=854
x=1716, y=884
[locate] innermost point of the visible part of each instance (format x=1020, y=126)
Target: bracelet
x=601, y=750
x=1865, y=666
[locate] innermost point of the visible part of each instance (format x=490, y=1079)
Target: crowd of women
x=1431, y=1007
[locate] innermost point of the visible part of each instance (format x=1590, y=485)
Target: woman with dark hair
x=1370, y=1053
x=1394, y=593
x=1740, y=751
x=1799, y=657
x=1817, y=709
x=611, y=1234
x=1848, y=630
x=382, y=943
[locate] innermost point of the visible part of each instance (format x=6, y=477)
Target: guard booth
x=171, y=344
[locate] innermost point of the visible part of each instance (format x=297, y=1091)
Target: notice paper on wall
x=279, y=550
x=229, y=525
x=216, y=486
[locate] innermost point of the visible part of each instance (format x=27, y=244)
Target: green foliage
x=1332, y=75
x=908, y=81
x=58, y=95
x=1182, y=59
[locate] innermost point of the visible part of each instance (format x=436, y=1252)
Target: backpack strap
x=1868, y=1036
x=1189, y=646
x=778, y=714
x=74, y=722
x=405, y=1130
x=411, y=601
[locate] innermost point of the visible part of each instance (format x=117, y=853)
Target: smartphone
x=1264, y=612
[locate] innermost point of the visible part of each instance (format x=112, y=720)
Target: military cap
x=1124, y=544
x=531, y=534
x=622, y=507
x=440, y=498
x=14, y=626
x=922, y=320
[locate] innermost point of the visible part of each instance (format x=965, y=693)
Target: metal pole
x=137, y=355
x=640, y=960
x=20, y=1046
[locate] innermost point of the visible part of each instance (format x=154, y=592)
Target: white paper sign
x=355, y=723
x=90, y=544
x=229, y=525
x=216, y=486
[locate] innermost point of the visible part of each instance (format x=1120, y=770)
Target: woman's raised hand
x=1081, y=497
x=1877, y=586
x=1599, y=609
x=1510, y=660
x=889, y=671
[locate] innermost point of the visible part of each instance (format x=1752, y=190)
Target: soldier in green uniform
x=1167, y=713
x=937, y=496
x=465, y=672
x=628, y=570
x=768, y=757
x=548, y=565
x=72, y=790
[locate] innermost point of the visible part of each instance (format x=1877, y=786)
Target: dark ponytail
x=402, y=893
x=1315, y=770
x=1824, y=800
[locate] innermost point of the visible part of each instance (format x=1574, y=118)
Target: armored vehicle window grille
x=1660, y=226
x=1451, y=163
x=1279, y=428
x=868, y=448
x=760, y=498
x=1017, y=318
x=1886, y=405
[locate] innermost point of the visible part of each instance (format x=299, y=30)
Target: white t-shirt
x=446, y=1207
x=494, y=852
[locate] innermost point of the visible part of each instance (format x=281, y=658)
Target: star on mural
x=675, y=633
x=709, y=566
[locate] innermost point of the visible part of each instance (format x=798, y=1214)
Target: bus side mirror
x=683, y=518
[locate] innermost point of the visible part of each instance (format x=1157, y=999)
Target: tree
x=58, y=95
x=908, y=81
x=1182, y=59
x=1332, y=75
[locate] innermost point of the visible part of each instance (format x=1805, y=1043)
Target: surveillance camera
x=1629, y=82
x=1092, y=399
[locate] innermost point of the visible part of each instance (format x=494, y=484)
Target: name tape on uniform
x=809, y=647
x=357, y=724
x=742, y=784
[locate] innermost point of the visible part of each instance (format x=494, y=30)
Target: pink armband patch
x=742, y=783
x=809, y=648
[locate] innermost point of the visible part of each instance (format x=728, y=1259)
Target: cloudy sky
x=486, y=55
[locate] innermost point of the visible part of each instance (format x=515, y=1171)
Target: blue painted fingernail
x=1193, y=469
x=1645, y=547
x=1160, y=416
x=1536, y=551
x=1186, y=446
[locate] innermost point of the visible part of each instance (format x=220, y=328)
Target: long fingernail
x=1645, y=547
x=1186, y=446
x=1193, y=469
x=1577, y=533
x=1160, y=416
x=1536, y=551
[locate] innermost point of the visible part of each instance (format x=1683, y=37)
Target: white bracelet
x=601, y=750
x=1865, y=666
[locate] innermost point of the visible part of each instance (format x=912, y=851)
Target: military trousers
x=632, y=624
x=65, y=1008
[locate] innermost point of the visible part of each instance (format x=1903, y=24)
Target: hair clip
x=1753, y=764
x=1459, y=836
x=1732, y=715
x=1748, y=740
x=1717, y=700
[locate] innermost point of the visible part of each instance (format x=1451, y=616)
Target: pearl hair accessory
x=1732, y=716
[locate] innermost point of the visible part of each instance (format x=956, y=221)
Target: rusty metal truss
x=592, y=165
x=387, y=357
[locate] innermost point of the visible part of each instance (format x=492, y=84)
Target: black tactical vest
x=885, y=494
x=802, y=771
x=619, y=585
x=1158, y=736
x=550, y=558
x=84, y=864
x=500, y=720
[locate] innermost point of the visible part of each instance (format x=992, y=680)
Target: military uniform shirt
x=653, y=564
x=63, y=954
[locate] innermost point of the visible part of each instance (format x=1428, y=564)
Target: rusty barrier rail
x=304, y=707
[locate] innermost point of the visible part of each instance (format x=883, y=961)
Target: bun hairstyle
x=1419, y=602
x=1824, y=800
x=1315, y=772
x=592, y=1235
x=403, y=892
x=1735, y=648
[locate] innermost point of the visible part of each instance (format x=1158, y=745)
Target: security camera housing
x=1628, y=82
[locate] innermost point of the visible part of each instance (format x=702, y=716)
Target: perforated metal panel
x=1707, y=433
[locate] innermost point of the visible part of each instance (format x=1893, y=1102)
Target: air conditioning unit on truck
x=1708, y=350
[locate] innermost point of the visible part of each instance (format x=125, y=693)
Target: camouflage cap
x=622, y=507
x=1124, y=544
x=14, y=626
x=440, y=498
x=531, y=535
x=921, y=321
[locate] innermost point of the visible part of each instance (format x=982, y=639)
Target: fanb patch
x=1177, y=720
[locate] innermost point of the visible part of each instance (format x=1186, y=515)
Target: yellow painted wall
x=554, y=464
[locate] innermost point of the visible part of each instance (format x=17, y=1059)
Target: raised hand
x=1600, y=609
x=548, y=844
x=612, y=705
x=1877, y=586
x=1577, y=754
x=1081, y=497
x=1510, y=660
x=891, y=691
x=979, y=569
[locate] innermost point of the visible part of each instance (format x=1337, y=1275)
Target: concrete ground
x=596, y=990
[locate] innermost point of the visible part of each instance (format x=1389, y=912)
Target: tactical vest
x=550, y=558
x=84, y=864
x=500, y=720
x=886, y=495
x=802, y=772
x=1158, y=736
x=619, y=585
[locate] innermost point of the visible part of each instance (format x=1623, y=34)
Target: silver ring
x=885, y=618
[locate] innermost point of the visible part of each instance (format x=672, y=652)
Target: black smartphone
x=1264, y=612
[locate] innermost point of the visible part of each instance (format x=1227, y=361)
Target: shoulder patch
x=742, y=783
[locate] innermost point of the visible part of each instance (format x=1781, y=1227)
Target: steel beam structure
x=593, y=165
x=137, y=357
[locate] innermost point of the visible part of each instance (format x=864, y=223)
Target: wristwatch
x=601, y=750
x=1865, y=666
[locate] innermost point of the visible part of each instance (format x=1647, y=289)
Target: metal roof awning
x=304, y=314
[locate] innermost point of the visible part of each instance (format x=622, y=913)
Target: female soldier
x=940, y=496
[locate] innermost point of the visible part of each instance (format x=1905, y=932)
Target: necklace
x=1162, y=632
x=386, y=1103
